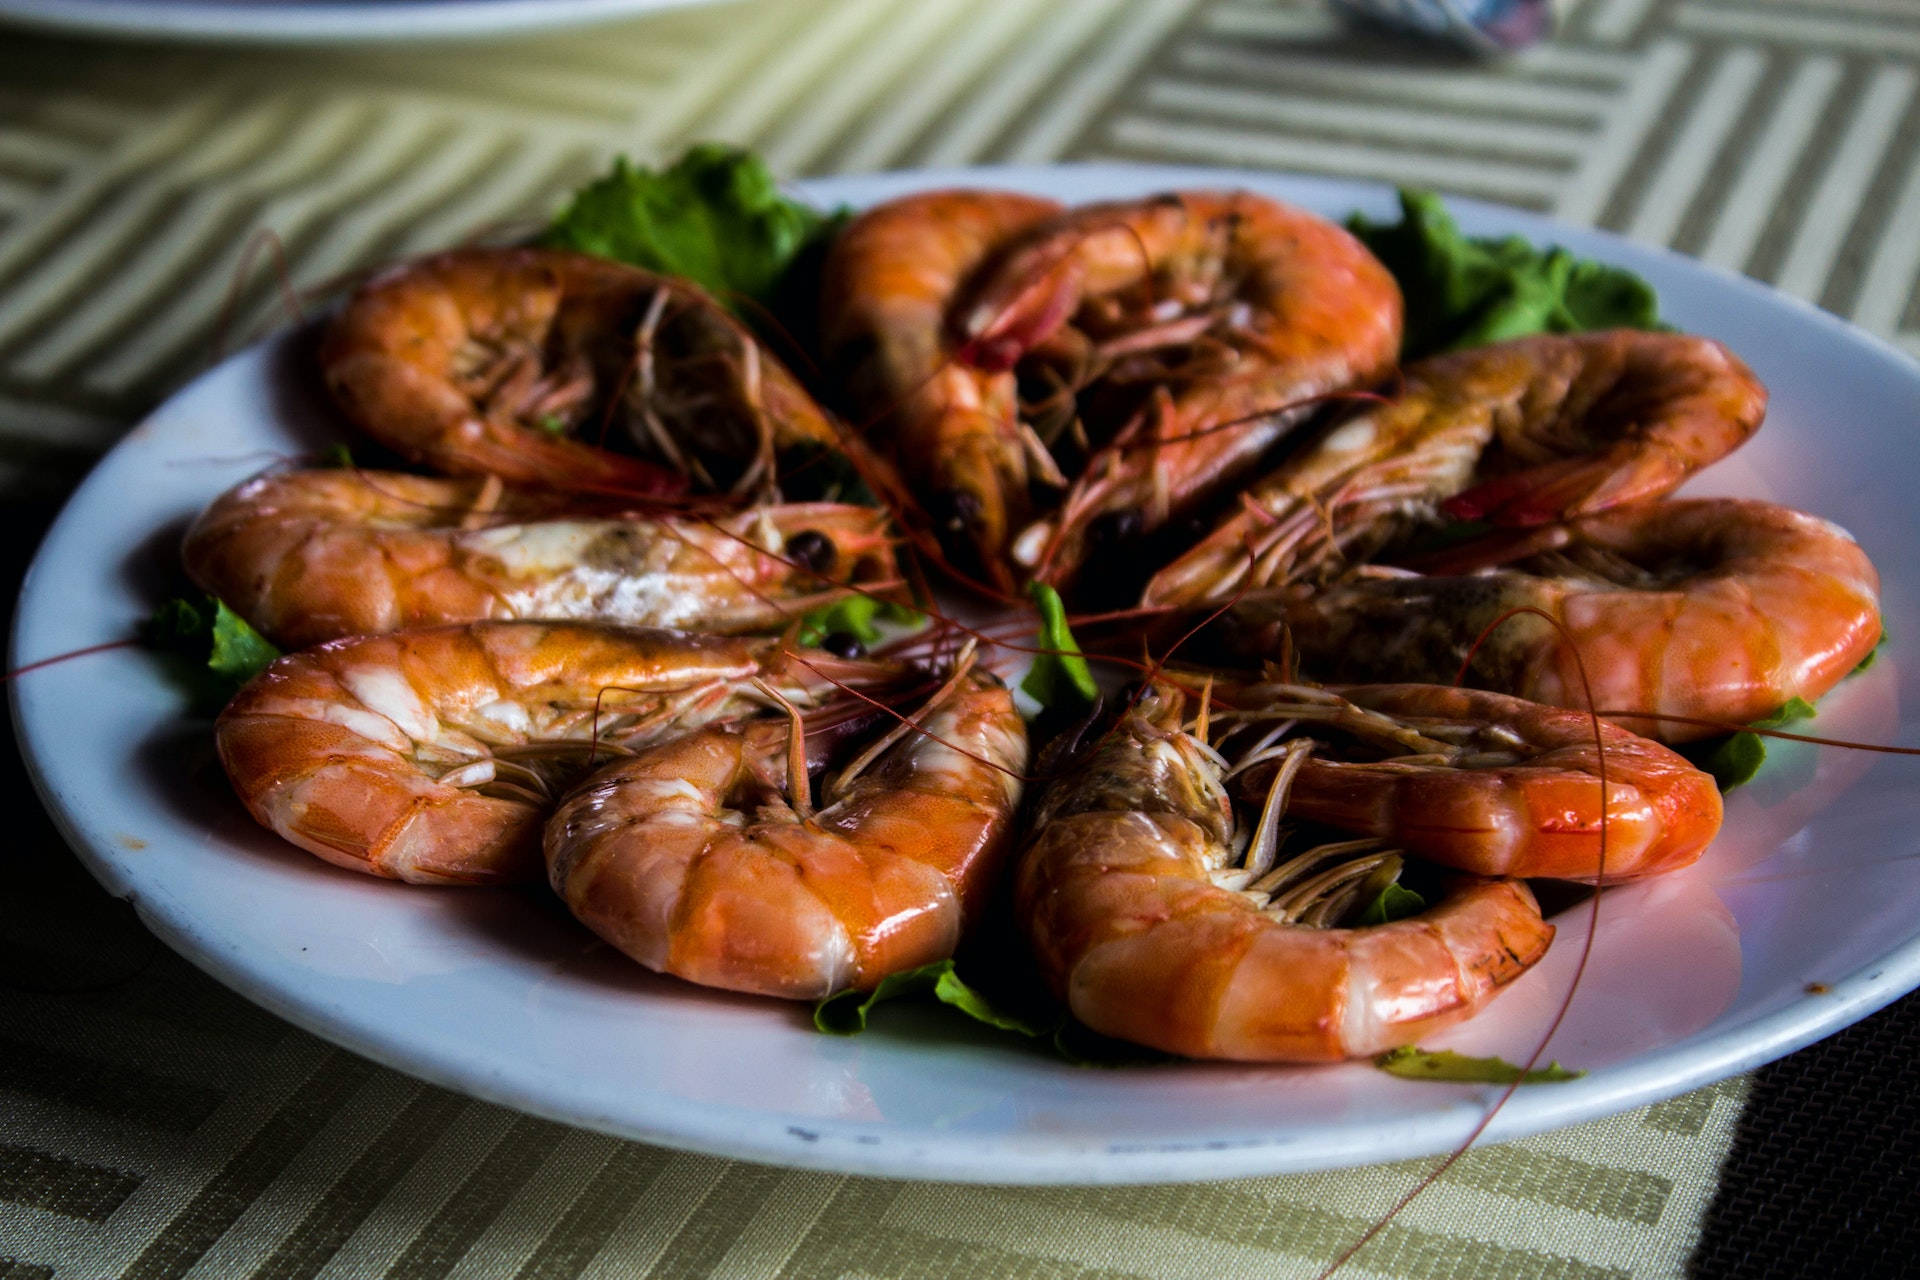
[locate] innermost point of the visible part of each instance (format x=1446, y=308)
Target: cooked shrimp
x=1145, y=924
x=1524, y=432
x=704, y=858
x=1244, y=307
x=1210, y=321
x=434, y=755
x=307, y=556
x=887, y=296
x=1717, y=609
x=1477, y=781
x=524, y=363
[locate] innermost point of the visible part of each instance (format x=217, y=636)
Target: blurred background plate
x=305, y=21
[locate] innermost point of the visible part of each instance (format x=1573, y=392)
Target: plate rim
x=850, y=1147
x=303, y=22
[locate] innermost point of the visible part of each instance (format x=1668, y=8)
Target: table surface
x=153, y=1124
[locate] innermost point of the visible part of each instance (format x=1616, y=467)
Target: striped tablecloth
x=152, y=1124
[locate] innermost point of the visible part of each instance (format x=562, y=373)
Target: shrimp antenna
x=799, y=789
x=263, y=238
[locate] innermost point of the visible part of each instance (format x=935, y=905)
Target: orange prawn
x=887, y=298
x=1146, y=922
x=522, y=363
x=1474, y=780
x=1716, y=609
x=307, y=556
x=1538, y=429
x=705, y=857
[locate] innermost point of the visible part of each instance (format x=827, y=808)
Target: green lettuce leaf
x=856, y=616
x=1394, y=903
x=218, y=649
x=1464, y=292
x=715, y=216
x=1060, y=678
x=846, y=1014
x=1735, y=759
x=1422, y=1064
x=1873, y=654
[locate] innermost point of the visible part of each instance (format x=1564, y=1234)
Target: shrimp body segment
x=1717, y=609
x=433, y=756
x=308, y=556
x=1137, y=914
x=690, y=858
x=527, y=363
x=1496, y=785
x=888, y=293
x=1538, y=429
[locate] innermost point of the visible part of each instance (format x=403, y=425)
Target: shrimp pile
x=571, y=655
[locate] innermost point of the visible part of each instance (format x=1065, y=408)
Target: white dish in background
x=1694, y=976
x=318, y=21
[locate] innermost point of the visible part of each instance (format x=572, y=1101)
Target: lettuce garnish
x=1060, y=678
x=856, y=616
x=1410, y=1063
x=1465, y=292
x=220, y=651
x=1735, y=759
x=846, y=1014
x=1393, y=903
x=715, y=216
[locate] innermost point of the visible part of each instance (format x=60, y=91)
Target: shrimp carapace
x=1477, y=781
x=1718, y=609
x=434, y=755
x=1538, y=429
x=308, y=556
x=707, y=857
x=567, y=371
x=1109, y=367
x=888, y=327
x=1148, y=921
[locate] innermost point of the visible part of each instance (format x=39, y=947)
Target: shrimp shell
x=887, y=293
x=657, y=856
x=1530, y=806
x=309, y=556
x=1544, y=428
x=1114, y=895
x=463, y=361
x=1717, y=609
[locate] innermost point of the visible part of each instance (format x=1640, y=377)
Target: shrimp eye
x=844, y=644
x=1113, y=528
x=811, y=549
x=957, y=510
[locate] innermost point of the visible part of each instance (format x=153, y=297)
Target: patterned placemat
x=152, y=1124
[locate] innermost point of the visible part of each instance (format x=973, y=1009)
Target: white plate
x=318, y=21
x=1694, y=976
